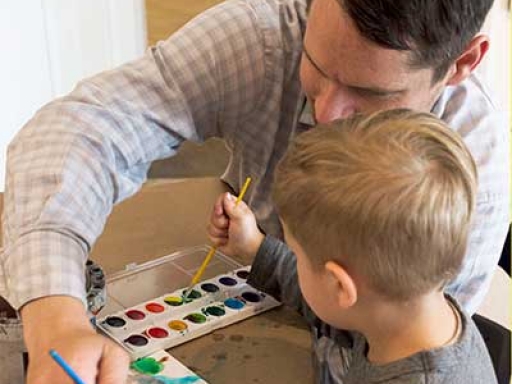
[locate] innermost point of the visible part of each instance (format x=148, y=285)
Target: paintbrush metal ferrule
x=187, y=292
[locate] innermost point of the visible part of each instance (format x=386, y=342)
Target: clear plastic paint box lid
x=139, y=283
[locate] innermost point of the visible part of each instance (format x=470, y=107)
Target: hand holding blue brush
x=138, y=379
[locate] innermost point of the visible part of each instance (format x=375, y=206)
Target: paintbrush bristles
x=210, y=254
x=200, y=272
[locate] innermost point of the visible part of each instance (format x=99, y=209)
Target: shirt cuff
x=264, y=266
x=40, y=264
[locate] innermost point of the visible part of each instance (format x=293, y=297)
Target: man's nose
x=333, y=103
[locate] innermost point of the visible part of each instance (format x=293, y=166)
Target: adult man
x=234, y=73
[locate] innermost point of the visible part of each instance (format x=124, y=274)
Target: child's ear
x=346, y=291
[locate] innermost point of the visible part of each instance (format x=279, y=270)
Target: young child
x=376, y=212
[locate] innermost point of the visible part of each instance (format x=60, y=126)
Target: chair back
x=497, y=340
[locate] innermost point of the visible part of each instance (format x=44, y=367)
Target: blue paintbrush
x=65, y=366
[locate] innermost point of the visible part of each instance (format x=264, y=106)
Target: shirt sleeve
x=485, y=129
x=274, y=271
x=91, y=149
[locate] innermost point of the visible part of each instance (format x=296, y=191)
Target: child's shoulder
x=464, y=361
x=467, y=360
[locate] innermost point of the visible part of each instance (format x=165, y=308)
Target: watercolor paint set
x=168, y=319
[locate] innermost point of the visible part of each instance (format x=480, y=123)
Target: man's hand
x=61, y=323
x=233, y=228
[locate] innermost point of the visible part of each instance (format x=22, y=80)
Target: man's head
x=363, y=56
x=387, y=197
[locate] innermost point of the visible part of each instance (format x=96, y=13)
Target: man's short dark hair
x=435, y=31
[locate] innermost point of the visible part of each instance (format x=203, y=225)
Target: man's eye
x=371, y=93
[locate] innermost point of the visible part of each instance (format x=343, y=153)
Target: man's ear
x=346, y=290
x=468, y=60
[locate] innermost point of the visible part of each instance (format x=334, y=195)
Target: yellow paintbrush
x=210, y=254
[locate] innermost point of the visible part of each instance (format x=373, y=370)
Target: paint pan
x=251, y=297
x=155, y=307
x=178, y=325
x=234, y=303
x=228, y=281
x=210, y=287
x=243, y=274
x=196, y=318
x=174, y=301
x=192, y=295
x=115, y=321
x=157, y=333
x=214, y=310
x=136, y=340
x=135, y=314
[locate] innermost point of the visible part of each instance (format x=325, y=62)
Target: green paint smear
x=147, y=365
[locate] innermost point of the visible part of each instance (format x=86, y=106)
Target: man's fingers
x=114, y=365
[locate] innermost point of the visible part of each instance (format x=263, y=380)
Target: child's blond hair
x=388, y=196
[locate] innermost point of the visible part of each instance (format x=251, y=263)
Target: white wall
x=24, y=68
x=48, y=45
x=495, y=70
